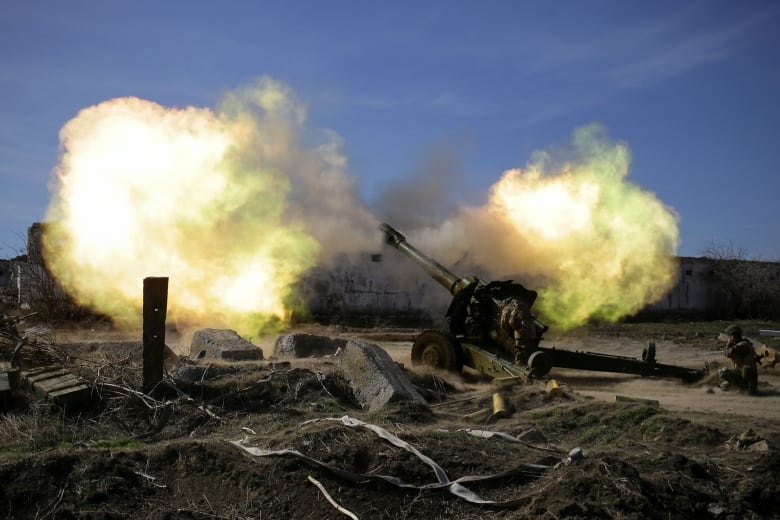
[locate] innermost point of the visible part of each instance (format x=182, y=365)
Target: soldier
x=744, y=371
x=516, y=320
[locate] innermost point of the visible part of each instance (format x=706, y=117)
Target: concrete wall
x=366, y=288
x=7, y=284
x=695, y=291
x=698, y=293
x=31, y=282
x=389, y=288
x=36, y=287
x=5, y=274
x=371, y=290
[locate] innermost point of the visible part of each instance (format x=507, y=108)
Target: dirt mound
x=282, y=440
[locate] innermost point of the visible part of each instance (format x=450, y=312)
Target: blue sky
x=691, y=87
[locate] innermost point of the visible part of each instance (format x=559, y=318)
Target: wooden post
x=155, y=310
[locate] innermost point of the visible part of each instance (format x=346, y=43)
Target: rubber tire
x=437, y=350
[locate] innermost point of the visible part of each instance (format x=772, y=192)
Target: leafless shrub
x=29, y=430
x=42, y=294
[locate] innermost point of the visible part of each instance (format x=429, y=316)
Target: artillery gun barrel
x=435, y=270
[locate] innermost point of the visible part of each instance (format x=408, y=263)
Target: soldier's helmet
x=733, y=330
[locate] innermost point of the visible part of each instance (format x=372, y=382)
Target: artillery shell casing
x=499, y=406
x=502, y=382
x=479, y=416
x=552, y=389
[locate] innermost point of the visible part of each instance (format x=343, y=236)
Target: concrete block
x=374, y=377
x=300, y=345
x=223, y=345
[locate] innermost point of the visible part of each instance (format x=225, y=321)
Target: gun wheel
x=539, y=363
x=438, y=350
x=648, y=353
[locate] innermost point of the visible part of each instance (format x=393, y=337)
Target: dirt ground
x=286, y=438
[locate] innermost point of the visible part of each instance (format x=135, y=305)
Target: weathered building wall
x=35, y=243
x=367, y=291
x=365, y=288
x=376, y=288
x=694, y=293
x=35, y=287
x=5, y=274
x=7, y=283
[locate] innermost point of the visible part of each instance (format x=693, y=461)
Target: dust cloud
x=571, y=225
x=229, y=203
x=237, y=204
x=431, y=190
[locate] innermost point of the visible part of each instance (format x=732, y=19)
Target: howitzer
x=492, y=329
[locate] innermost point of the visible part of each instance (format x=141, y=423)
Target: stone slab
x=300, y=345
x=223, y=345
x=374, y=377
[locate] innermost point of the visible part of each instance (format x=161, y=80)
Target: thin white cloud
x=676, y=56
x=581, y=68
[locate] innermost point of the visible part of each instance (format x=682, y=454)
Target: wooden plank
x=155, y=309
x=72, y=389
x=5, y=391
x=10, y=374
x=38, y=370
x=769, y=333
x=72, y=397
x=43, y=376
x=50, y=385
x=58, y=385
x=71, y=392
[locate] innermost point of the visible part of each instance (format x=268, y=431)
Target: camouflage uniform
x=517, y=321
x=739, y=350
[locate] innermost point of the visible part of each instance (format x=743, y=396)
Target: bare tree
x=38, y=290
x=750, y=286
